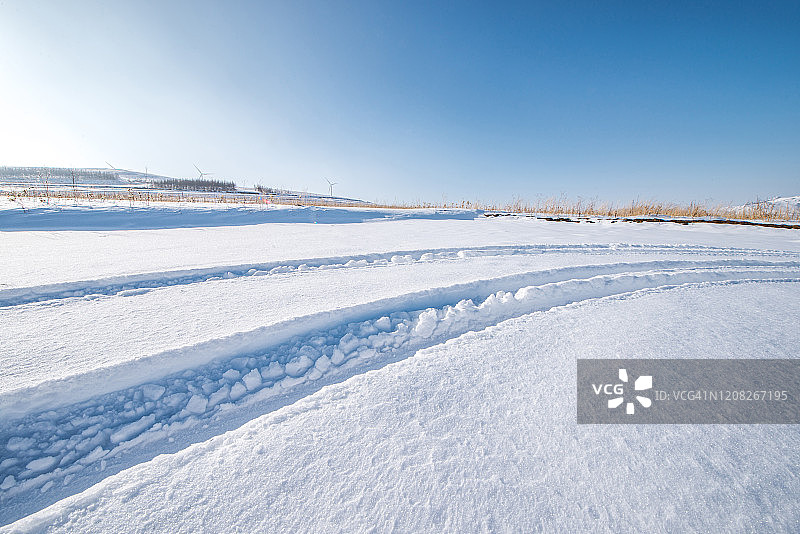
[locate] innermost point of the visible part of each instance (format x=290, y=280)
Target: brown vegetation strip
x=658, y=220
x=718, y=221
x=755, y=214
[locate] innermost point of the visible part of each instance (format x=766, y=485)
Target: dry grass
x=759, y=210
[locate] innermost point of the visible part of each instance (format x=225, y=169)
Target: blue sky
x=675, y=101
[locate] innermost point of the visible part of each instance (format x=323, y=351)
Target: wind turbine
x=202, y=174
x=116, y=170
x=330, y=187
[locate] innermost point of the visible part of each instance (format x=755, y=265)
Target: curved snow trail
x=134, y=284
x=279, y=364
x=55, y=340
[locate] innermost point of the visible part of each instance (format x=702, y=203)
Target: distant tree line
x=196, y=184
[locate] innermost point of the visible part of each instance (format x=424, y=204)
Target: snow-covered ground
x=307, y=369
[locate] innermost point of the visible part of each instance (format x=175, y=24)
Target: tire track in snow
x=79, y=387
x=58, y=442
x=135, y=284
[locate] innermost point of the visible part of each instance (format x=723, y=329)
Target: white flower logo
x=642, y=383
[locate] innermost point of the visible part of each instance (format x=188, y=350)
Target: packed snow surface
x=409, y=373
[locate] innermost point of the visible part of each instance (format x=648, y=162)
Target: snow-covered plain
x=265, y=369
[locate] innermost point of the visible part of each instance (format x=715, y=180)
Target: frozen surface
x=414, y=373
x=60, y=215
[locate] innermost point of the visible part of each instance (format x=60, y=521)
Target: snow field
x=393, y=374
x=65, y=439
x=38, y=258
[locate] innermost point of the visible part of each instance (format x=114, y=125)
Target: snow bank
x=790, y=203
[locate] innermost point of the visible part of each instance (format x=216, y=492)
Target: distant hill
x=66, y=175
x=39, y=178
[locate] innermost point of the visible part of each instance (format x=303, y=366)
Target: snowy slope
x=53, y=175
x=792, y=203
x=120, y=345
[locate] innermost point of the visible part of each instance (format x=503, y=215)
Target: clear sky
x=406, y=100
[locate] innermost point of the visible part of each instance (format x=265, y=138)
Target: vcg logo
x=618, y=391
